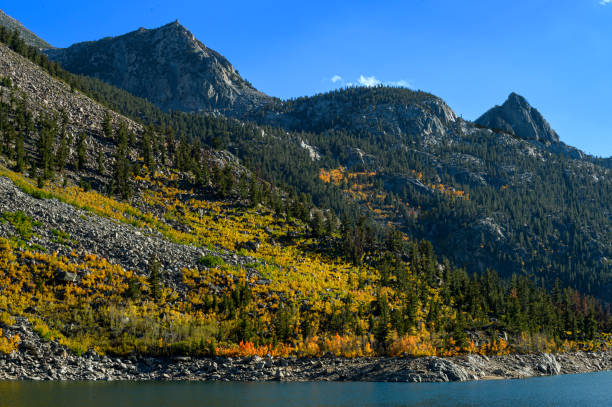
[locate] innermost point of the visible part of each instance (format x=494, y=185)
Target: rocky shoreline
x=47, y=360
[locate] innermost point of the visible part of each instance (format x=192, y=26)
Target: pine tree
x=243, y=186
x=81, y=151
x=6, y=129
x=254, y=192
x=182, y=160
x=382, y=329
x=45, y=147
x=107, y=126
x=330, y=223
x=121, y=175
x=147, y=150
x=61, y=154
x=169, y=135
x=316, y=224
x=20, y=153
x=155, y=279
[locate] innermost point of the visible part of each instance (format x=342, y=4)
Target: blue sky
x=556, y=53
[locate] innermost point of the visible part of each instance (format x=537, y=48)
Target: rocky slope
x=47, y=96
x=48, y=360
x=167, y=66
x=131, y=247
x=121, y=244
x=29, y=37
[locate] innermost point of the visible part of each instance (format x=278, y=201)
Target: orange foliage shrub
x=411, y=345
x=249, y=349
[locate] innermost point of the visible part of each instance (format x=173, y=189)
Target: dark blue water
x=571, y=390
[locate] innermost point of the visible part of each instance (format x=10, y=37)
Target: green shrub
x=210, y=261
x=21, y=222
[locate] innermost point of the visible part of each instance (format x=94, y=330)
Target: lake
x=570, y=390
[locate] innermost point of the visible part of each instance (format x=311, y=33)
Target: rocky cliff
x=518, y=117
x=167, y=66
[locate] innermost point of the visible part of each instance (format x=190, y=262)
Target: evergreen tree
x=155, y=284
x=147, y=149
x=383, y=325
x=169, y=134
x=121, y=174
x=81, y=151
x=107, y=126
x=316, y=224
x=45, y=147
x=61, y=155
x=20, y=153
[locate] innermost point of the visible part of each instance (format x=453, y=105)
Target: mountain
x=168, y=66
x=516, y=116
x=118, y=238
x=401, y=112
x=518, y=201
x=29, y=37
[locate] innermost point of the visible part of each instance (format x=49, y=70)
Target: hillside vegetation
x=215, y=259
x=536, y=206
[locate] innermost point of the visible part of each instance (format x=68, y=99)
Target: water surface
x=583, y=390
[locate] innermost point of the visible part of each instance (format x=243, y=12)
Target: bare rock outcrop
x=168, y=66
x=517, y=116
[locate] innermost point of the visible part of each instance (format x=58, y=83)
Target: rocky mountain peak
x=168, y=66
x=517, y=116
x=517, y=100
x=175, y=28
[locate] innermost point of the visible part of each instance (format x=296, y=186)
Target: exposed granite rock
x=168, y=66
x=407, y=114
x=518, y=117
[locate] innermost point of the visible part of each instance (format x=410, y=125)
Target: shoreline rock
x=40, y=360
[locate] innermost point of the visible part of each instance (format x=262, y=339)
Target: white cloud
x=402, y=83
x=368, y=81
x=605, y=2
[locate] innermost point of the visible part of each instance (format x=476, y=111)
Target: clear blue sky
x=558, y=54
